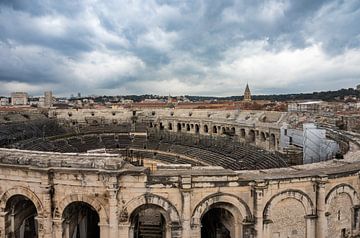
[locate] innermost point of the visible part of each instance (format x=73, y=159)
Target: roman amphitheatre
x=171, y=173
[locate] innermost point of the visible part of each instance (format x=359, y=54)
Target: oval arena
x=169, y=173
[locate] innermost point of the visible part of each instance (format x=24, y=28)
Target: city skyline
x=205, y=48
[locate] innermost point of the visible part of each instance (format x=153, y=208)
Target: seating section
x=13, y=132
x=46, y=134
x=171, y=150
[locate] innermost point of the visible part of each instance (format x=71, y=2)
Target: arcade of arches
x=92, y=195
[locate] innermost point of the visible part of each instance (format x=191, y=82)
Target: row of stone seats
x=13, y=132
x=234, y=156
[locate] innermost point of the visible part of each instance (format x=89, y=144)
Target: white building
x=19, y=98
x=312, y=106
x=4, y=102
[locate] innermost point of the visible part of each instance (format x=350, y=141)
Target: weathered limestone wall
x=304, y=201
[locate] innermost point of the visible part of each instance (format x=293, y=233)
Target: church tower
x=247, y=94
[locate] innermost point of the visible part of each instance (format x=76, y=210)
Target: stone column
x=126, y=230
x=195, y=231
x=186, y=213
x=2, y=224
x=44, y=221
x=321, y=225
x=310, y=226
x=113, y=216
x=104, y=230
x=57, y=228
x=259, y=187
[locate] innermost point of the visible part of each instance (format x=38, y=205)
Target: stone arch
x=171, y=212
x=342, y=188
x=252, y=136
x=93, y=202
x=299, y=195
x=204, y=205
x=242, y=133
x=272, y=140
x=197, y=128
x=26, y=192
x=214, y=129
x=206, y=128
x=262, y=136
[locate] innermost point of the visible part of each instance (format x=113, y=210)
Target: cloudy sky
x=178, y=47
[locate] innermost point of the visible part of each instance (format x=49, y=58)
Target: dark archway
x=272, y=140
x=242, y=133
x=232, y=131
x=197, y=128
x=217, y=223
x=187, y=127
x=251, y=136
x=206, y=129
x=179, y=127
x=20, y=217
x=262, y=136
x=170, y=126
x=148, y=221
x=214, y=129
x=80, y=220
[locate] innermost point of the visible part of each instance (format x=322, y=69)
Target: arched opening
x=242, y=133
x=340, y=216
x=262, y=136
x=170, y=126
x=20, y=217
x=148, y=221
x=179, y=127
x=223, y=130
x=272, y=140
x=80, y=220
x=214, y=129
x=197, y=128
x=206, y=129
x=251, y=136
x=218, y=222
x=187, y=127
x=232, y=130
x=161, y=126
x=291, y=212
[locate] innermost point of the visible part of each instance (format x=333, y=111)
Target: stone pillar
x=113, y=216
x=238, y=230
x=44, y=221
x=44, y=227
x=57, y=228
x=126, y=230
x=259, y=188
x=310, y=226
x=104, y=230
x=2, y=224
x=195, y=230
x=186, y=213
x=321, y=225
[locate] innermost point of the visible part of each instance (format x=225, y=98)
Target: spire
x=247, y=94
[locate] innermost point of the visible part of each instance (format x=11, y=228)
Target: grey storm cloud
x=178, y=47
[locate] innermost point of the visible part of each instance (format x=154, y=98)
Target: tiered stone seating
x=225, y=153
